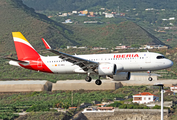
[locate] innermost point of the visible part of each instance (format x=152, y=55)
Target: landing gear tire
x=88, y=79
x=98, y=82
x=150, y=79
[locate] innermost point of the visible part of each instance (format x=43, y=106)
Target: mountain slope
x=15, y=16
x=68, y=5
x=126, y=33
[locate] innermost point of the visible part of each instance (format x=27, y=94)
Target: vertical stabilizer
x=23, y=48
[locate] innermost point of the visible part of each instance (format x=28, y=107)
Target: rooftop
x=145, y=93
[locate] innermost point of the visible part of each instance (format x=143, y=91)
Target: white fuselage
x=140, y=61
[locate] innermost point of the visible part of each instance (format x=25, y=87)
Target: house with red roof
x=174, y=88
x=145, y=97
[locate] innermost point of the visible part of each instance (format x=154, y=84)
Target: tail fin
x=23, y=48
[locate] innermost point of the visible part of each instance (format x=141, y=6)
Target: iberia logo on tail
x=23, y=48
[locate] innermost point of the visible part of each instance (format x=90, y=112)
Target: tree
x=135, y=46
x=156, y=107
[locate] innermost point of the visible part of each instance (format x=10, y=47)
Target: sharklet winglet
x=47, y=46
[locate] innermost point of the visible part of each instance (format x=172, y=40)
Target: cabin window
x=160, y=57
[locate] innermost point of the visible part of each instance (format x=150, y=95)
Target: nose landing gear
x=149, y=73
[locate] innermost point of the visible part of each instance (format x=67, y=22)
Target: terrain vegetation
x=15, y=16
x=65, y=5
x=18, y=17
x=152, y=16
x=41, y=102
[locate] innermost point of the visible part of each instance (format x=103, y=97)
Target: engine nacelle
x=107, y=69
x=121, y=76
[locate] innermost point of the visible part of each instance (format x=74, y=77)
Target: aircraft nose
x=169, y=63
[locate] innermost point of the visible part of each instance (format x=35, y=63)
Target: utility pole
x=72, y=98
x=161, y=85
x=118, y=10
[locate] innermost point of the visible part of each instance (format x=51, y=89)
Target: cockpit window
x=160, y=57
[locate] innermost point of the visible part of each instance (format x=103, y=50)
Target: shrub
x=40, y=107
x=115, y=104
x=156, y=107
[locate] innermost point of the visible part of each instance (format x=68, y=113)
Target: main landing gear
x=88, y=79
x=97, y=82
x=149, y=73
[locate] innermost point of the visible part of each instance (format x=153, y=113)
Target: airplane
x=114, y=65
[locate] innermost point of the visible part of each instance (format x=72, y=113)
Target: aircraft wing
x=85, y=64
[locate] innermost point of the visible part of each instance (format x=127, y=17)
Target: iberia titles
x=126, y=56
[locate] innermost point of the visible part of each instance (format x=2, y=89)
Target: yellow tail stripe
x=19, y=35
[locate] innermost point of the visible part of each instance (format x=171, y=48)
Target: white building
x=148, y=9
x=74, y=12
x=164, y=19
x=64, y=15
x=98, y=109
x=173, y=89
x=109, y=15
x=68, y=21
x=172, y=18
x=145, y=97
x=84, y=47
x=69, y=47
x=121, y=47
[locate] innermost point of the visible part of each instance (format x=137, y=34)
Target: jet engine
x=121, y=76
x=107, y=69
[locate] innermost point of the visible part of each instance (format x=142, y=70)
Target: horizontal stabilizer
x=19, y=61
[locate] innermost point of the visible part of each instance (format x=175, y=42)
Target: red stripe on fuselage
x=38, y=65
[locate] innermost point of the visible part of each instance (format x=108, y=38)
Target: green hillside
x=15, y=16
x=68, y=5
x=126, y=33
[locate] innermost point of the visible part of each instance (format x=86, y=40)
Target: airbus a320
x=115, y=65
